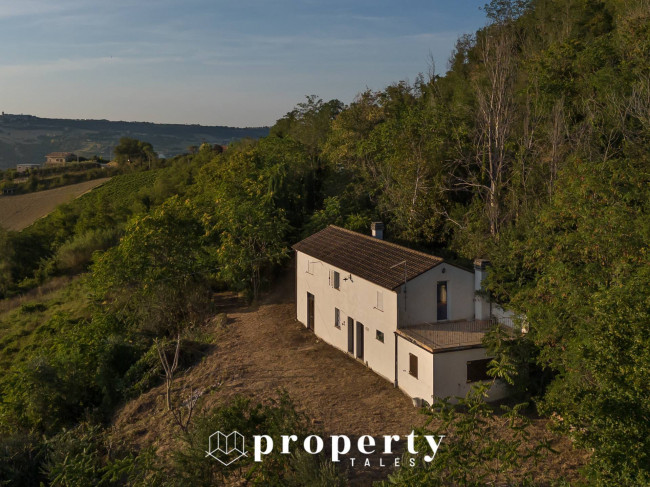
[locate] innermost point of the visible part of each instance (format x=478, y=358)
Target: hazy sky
x=214, y=62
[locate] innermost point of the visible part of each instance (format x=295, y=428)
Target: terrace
x=453, y=335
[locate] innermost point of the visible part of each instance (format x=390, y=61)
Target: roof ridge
x=386, y=242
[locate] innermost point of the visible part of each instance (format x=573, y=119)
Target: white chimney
x=481, y=301
x=377, y=230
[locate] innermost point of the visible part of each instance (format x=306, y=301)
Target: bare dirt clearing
x=20, y=211
x=264, y=348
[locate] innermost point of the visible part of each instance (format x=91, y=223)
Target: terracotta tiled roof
x=370, y=258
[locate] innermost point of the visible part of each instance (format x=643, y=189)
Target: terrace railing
x=456, y=333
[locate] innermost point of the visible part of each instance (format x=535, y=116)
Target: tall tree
x=157, y=275
x=496, y=111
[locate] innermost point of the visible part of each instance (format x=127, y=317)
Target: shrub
x=84, y=456
x=74, y=255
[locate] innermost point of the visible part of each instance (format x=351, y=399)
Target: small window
x=413, y=365
x=335, y=279
x=477, y=370
x=380, y=301
x=380, y=336
x=337, y=318
x=441, y=298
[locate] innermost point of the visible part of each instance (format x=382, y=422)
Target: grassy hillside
x=26, y=322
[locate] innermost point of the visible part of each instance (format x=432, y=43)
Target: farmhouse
x=20, y=168
x=409, y=316
x=59, y=158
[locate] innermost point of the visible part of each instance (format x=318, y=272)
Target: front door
x=442, y=300
x=350, y=335
x=359, y=340
x=310, y=311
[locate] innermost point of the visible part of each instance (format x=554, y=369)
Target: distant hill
x=26, y=139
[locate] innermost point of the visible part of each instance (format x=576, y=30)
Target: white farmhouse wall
x=356, y=298
x=422, y=387
x=499, y=313
x=440, y=374
x=421, y=297
x=481, y=303
x=450, y=374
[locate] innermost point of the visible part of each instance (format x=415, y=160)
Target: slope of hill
x=27, y=139
x=263, y=348
x=18, y=212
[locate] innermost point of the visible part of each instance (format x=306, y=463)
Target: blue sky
x=214, y=62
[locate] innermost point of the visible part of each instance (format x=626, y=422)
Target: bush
x=74, y=255
x=479, y=447
x=274, y=418
x=21, y=459
x=84, y=456
x=75, y=367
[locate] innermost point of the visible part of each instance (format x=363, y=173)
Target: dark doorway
x=350, y=335
x=442, y=300
x=359, y=340
x=310, y=311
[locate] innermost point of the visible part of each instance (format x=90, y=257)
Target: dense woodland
x=532, y=150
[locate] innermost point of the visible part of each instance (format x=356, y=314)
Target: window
x=335, y=279
x=477, y=370
x=441, y=298
x=337, y=318
x=413, y=365
x=380, y=301
x=310, y=267
x=380, y=336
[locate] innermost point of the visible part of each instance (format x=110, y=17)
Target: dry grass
x=263, y=348
x=20, y=211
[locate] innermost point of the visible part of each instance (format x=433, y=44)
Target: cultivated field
x=18, y=212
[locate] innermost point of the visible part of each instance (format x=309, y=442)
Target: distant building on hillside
x=55, y=158
x=26, y=167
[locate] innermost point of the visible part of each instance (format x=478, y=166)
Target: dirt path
x=18, y=212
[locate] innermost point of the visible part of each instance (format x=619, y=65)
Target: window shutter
x=337, y=277
x=413, y=365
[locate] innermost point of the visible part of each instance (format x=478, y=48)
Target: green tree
x=247, y=231
x=135, y=152
x=583, y=285
x=157, y=275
